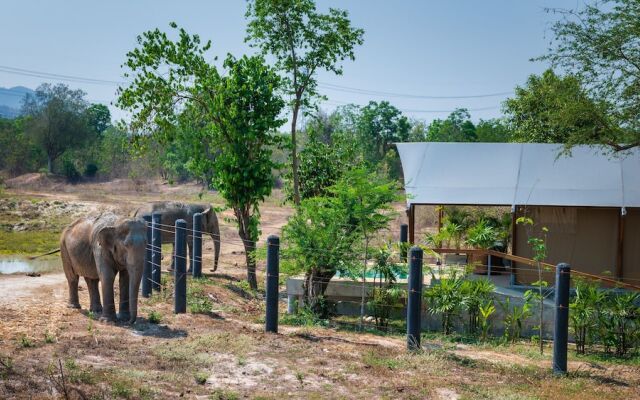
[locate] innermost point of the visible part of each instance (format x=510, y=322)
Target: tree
x=493, y=131
x=236, y=112
x=367, y=200
x=18, y=153
x=456, y=128
x=303, y=42
x=554, y=109
x=599, y=45
x=57, y=119
x=98, y=117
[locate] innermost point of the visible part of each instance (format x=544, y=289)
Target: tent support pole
x=440, y=212
x=514, y=238
x=412, y=223
x=620, y=252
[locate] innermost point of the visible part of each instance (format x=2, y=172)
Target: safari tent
x=589, y=200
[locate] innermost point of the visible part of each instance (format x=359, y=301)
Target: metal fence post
x=404, y=238
x=146, y=271
x=156, y=252
x=414, y=303
x=196, y=248
x=273, y=271
x=561, y=328
x=180, y=264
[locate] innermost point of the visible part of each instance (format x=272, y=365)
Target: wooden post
x=440, y=212
x=514, y=238
x=620, y=250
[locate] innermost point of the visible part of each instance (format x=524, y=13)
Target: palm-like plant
x=475, y=293
x=445, y=299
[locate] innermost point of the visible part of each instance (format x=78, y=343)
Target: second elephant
x=172, y=211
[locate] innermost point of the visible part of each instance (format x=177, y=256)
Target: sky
x=415, y=47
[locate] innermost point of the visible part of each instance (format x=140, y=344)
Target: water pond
x=22, y=265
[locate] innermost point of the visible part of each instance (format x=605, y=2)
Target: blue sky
x=433, y=48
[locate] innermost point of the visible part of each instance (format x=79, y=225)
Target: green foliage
x=554, y=109
x=303, y=42
x=456, y=128
x=486, y=310
x=201, y=377
x=98, y=117
x=481, y=235
x=583, y=311
x=514, y=318
x=445, y=299
x=19, y=153
x=155, y=317
x=57, y=120
x=90, y=170
x=475, y=295
x=598, y=43
x=25, y=341
x=70, y=171
x=49, y=337
x=232, y=114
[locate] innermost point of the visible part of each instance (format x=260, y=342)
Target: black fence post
x=196, y=248
x=146, y=271
x=156, y=252
x=404, y=238
x=561, y=328
x=414, y=303
x=180, y=264
x=273, y=275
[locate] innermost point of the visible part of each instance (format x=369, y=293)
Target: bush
x=70, y=171
x=90, y=170
x=155, y=317
x=445, y=299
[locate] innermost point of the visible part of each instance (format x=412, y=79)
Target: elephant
x=172, y=211
x=98, y=248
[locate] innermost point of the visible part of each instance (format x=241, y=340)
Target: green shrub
x=155, y=317
x=90, y=170
x=475, y=293
x=70, y=171
x=445, y=299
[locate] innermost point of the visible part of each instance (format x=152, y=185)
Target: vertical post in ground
x=414, y=304
x=561, y=328
x=146, y=271
x=273, y=271
x=156, y=250
x=404, y=239
x=180, y=264
x=196, y=248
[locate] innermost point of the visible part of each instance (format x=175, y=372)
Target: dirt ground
x=219, y=350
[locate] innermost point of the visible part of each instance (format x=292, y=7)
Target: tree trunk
x=315, y=284
x=249, y=243
x=364, y=283
x=294, y=153
x=49, y=164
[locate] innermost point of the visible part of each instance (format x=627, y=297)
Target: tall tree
x=237, y=112
x=456, y=128
x=493, y=130
x=303, y=41
x=98, y=117
x=57, y=119
x=554, y=109
x=379, y=126
x=599, y=44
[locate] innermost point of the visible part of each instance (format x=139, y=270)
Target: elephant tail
x=45, y=254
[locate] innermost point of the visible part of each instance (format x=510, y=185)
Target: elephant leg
x=94, y=295
x=72, y=278
x=124, y=295
x=109, y=307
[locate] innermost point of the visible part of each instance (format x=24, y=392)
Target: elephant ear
x=106, y=238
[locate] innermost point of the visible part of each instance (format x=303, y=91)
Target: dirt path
x=15, y=287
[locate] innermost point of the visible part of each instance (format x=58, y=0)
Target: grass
x=201, y=377
x=26, y=342
x=224, y=394
x=77, y=374
x=194, y=350
x=28, y=242
x=155, y=317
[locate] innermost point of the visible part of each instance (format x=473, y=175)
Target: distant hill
x=11, y=100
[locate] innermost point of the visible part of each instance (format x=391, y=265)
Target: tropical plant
x=622, y=315
x=445, y=299
x=514, y=318
x=481, y=235
x=386, y=295
x=476, y=293
x=486, y=311
x=583, y=312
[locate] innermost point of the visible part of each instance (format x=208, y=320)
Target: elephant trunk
x=135, y=276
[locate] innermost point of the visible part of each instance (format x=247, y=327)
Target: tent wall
x=586, y=238
x=631, y=255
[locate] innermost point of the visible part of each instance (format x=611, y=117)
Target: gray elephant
x=98, y=249
x=172, y=211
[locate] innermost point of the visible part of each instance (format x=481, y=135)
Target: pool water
x=18, y=265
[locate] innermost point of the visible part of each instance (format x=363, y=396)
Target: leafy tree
x=456, y=128
x=98, y=117
x=554, y=109
x=236, y=111
x=367, y=199
x=493, y=131
x=303, y=42
x=598, y=43
x=57, y=119
x=18, y=153
x=380, y=125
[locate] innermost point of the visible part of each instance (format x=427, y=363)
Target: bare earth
x=50, y=351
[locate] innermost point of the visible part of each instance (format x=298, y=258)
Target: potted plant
x=481, y=236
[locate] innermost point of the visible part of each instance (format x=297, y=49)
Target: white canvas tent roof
x=518, y=174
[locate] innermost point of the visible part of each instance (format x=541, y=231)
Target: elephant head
x=121, y=250
x=210, y=225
